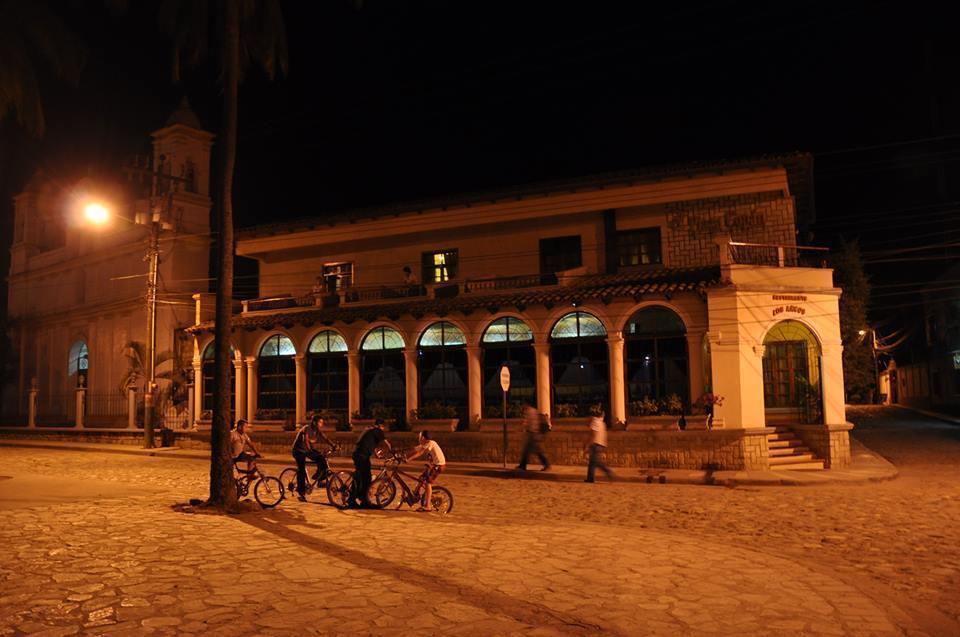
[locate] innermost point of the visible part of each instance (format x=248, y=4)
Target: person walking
x=598, y=445
x=366, y=446
x=536, y=426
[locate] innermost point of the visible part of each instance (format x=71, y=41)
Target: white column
x=831, y=380
x=543, y=377
x=251, y=387
x=32, y=407
x=191, y=405
x=353, y=384
x=240, y=389
x=81, y=400
x=618, y=407
x=301, y=380
x=131, y=407
x=474, y=385
x=411, y=382
x=197, y=391
x=695, y=364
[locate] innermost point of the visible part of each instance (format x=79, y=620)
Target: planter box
x=359, y=424
x=496, y=424
x=436, y=424
x=654, y=423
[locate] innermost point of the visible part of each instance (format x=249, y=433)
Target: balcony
x=770, y=255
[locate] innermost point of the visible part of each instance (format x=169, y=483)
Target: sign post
x=505, y=386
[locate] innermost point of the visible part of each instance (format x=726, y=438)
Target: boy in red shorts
x=436, y=461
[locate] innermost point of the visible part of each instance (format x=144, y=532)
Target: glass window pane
x=655, y=321
x=566, y=327
x=382, y=338
x=590, y=325
x=496, y=332
x=327, y=341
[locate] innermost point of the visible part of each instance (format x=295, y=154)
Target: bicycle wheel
x=382, y=492
x=268, y=491
x=339, y=488
x=288, y=478
x=441, y=500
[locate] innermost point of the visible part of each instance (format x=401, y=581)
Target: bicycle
x=384, y=493
x=267, y=490
x=288, y=477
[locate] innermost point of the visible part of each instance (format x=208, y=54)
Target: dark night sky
x=405, y=99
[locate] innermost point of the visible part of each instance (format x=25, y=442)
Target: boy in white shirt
x=436, y=461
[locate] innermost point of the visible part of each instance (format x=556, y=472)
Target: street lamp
x=98, y=214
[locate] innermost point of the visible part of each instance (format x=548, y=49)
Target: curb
x=632, y=475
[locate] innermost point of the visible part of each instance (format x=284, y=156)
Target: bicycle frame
x=409, y=497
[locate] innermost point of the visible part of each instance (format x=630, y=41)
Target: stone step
x=788, y=451
x=814, y=465
x=792, y=459
x=780, y=444
x=781, y=437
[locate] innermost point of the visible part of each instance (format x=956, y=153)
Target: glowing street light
x=96, y=213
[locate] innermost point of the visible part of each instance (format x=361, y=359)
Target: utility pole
x=153, y=256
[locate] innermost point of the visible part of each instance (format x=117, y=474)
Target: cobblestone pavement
x=515, y=557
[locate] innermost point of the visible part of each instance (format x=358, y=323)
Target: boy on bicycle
x=367, y=445
x=241, y=447
x=436, y=461
x=304, y=448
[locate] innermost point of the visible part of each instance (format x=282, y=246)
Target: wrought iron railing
x=777, y=255
x=509, y=282
x=106, y=404
x=382, y=293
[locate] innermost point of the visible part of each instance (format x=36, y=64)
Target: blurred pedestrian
x=598, y=446
x=536, y=426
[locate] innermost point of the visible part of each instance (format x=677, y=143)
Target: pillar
x=301, y=379
x=695, y=365
x=32, y=404
x=831, y=382
x=131, y=407
x=474, y=386
x=542, y=351
x=197, y=390
x=240, y=390
x=411, y=380
x=251, y=387
x=353, y=384
x=191, y=405
x=618, y=407
x=81, y=405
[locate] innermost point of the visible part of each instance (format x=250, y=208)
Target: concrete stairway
x=788, y=453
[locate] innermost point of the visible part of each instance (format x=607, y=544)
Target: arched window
x=79, y=363
x=206, y=371
x=327, y=374
x=442, y=363
x=791, y=372
x=277, y=377
x=383, y=375
x=656, y=356
x=508, y=341
x=579, y=361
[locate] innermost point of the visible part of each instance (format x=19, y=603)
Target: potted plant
x=708, y=402
x=366, y=418
x=650, y=414
x=492, y=419
x=435, y=414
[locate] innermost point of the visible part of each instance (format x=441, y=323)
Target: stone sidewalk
x=866, y=466
x=149, y=565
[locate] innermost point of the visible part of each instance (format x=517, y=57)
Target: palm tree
x=172, y=382
x=250, y=31
x=31, y=32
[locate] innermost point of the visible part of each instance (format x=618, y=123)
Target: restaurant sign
x=792, y=306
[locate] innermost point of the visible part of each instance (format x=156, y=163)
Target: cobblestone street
x=115, y=553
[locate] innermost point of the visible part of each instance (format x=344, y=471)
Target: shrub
x=434, y=410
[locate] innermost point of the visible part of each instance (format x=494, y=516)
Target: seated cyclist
x=242, y=448
x=304, y=448
x=436, y=461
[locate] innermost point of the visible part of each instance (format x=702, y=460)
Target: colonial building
x=77, y=292
x=635, y=295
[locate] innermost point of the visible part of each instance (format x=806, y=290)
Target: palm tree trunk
x=222, y=487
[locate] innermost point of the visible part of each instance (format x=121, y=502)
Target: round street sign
x=505, y=378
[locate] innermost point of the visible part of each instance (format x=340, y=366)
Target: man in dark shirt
x=366, y=446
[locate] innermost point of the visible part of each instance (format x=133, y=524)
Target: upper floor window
x=560, y=253
x=337, y=276
x=638, y=247
x=440, y=266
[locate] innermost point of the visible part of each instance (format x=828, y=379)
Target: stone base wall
x=724, y=449
x=831, y=443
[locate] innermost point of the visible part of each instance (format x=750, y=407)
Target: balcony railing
x=509, y=283
x=777, y=256
x=382, y=293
